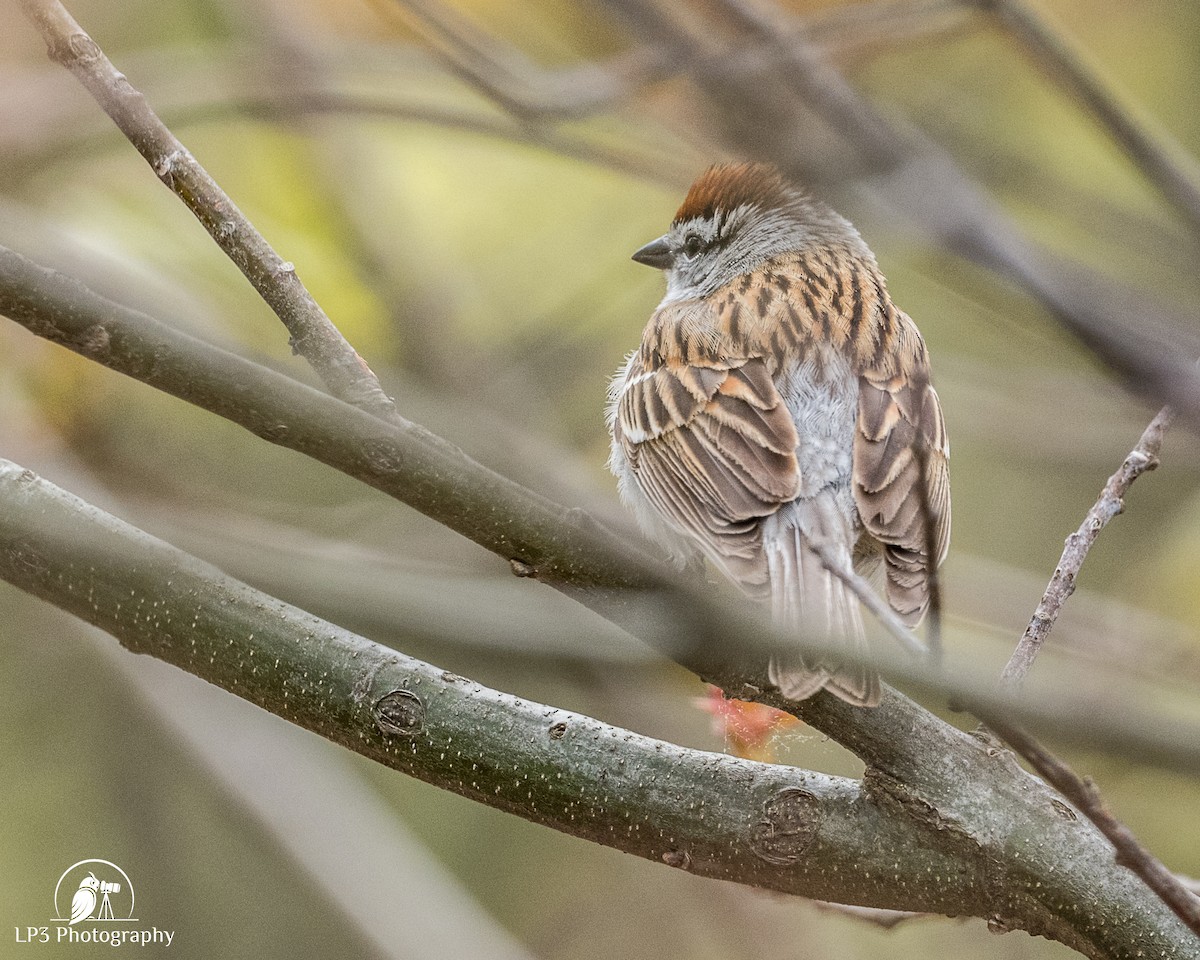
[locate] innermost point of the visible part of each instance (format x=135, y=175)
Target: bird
x=779, y=419
x=84, y=901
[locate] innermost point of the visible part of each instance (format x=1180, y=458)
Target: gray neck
x=751, y=236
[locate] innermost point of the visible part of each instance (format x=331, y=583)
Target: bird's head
x=89, y=883
x=735, y=217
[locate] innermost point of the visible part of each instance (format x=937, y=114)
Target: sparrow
x=780, y=406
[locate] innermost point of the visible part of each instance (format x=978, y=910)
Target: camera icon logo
x=93, y=890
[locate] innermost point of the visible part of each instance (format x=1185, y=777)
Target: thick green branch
x=713, y=815
x=1130, y=851
x=1004, y=848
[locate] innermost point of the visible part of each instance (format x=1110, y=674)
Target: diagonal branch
x=879, y=843
x=313, y=334
x=1083, y=794
x=1086, y=799
x=713, y=815
x=1111, y=503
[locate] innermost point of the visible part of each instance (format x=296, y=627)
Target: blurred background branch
x=1161, y=160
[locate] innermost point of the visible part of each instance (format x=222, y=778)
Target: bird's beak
x=657, y=254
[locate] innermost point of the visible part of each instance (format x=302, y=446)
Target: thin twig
x=639, y=163
x=1164, y=163
x=869, y=598
x=1084, y=796
x=313, y=334
x=1142, y=458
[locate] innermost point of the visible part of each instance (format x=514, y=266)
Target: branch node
x=998, y=925
x=79, y=46
x=522, y=569
x=789, y=825
x=399, y=713
x=1062, y=809
x=164, y=166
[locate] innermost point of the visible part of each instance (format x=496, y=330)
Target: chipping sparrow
x=779, y=398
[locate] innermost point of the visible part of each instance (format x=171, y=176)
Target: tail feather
x=807, y=597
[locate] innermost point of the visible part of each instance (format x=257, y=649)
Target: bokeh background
x=479, y=258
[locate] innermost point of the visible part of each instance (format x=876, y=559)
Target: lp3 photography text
x=94, y=903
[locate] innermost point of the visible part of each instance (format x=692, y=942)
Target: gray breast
x=821, y=392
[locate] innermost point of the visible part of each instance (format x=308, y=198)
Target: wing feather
x=901, y=465
x=714, y=447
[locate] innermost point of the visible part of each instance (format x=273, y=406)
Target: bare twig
x=1164, y=163
x=1143, y=457
x=1084, y=796
x=313, y=334
x=869, y=598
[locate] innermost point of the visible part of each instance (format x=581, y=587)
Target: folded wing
x=901, y=472
x=714, y=449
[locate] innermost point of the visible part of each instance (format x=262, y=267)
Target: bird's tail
x=810, y=599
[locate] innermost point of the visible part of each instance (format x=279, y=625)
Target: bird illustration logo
x=84, y=901
x=95, y=895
